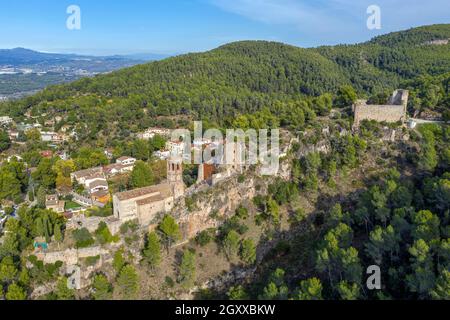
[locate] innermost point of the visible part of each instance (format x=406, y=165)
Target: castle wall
x=393, y=111
x=71, y=256
x=380, y=113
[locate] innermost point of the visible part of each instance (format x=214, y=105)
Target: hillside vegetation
x=369, y=197
x=244, y=77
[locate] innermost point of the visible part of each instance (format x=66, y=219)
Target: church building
x=145, y=204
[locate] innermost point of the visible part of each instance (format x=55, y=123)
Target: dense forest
x=245, y=77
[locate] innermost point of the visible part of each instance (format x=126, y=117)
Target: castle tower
x=175, y=176
x=400, y=97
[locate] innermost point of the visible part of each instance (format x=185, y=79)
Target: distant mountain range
x=24, y=71
x=147, y=56
x=22, y=56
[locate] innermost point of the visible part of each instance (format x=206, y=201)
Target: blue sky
x=178, y=26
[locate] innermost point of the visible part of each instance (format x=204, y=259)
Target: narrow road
x=422, y=121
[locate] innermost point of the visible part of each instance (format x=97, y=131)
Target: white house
x=17, y=157
x=13, y=134
x=98, y=185
x=162, y=155
x=87, y=175
x=150, y=133
x=53, y=137
x=126, y=161
x=117, y=168
x=5, y=120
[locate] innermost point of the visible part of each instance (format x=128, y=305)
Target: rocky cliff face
x=209, y=208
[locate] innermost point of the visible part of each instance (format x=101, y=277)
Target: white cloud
x=338, y=17
x=301, y=14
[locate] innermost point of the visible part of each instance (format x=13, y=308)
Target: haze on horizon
x=177, y=26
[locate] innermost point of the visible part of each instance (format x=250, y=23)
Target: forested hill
x=395, y=56
x=243, y=77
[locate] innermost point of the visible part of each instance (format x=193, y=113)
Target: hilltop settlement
x=100, y=198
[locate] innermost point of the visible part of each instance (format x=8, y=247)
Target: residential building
x=83, y=175
x=52, y=202
x=117, y=168
x=49, y=123
x=5, y=120
x=150, y=133
x=47, y=153
x=102, y=196
x=97, y=185
x=53, y=137
x=16, y=157
x=126, y=161
x=162, y=155
x=108, y=154
x=64, y=155
x=13, y=135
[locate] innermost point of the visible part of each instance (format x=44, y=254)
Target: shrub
x=129, y=226
x=83, y=238
x=186, y=272
x=242, y=212
x=169, y=282
x=190, y=204
x=232, y=224
x=92, y=261
x=299, y=216
x=106, y=211
x=203, y=238
x=231, y=244
x=248, y=251
x=103, y=234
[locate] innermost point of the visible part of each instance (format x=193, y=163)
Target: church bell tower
x=175, y=176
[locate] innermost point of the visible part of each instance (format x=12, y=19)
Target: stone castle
x=144, y=204
x=393, y=111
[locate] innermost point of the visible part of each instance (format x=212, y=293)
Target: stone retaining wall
x=70, y=256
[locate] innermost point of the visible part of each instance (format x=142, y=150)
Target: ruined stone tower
x=400, y=98
x=175, y=176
